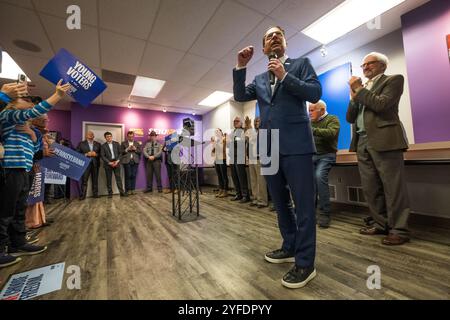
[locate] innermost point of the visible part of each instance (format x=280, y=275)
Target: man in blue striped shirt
x=17, y=162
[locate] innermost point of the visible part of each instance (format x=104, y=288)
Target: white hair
x=319, y=103
x=379, y=56
x=323, y=104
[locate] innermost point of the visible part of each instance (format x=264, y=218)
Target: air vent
x=356, y=195
x=118, y=77
x=27, y=46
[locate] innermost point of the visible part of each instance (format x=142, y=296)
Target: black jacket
x=83, y=148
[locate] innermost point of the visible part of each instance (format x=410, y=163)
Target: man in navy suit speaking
x=282, y=92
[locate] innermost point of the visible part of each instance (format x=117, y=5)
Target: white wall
x=392, y=46
x=250, y=109
x=222, y=116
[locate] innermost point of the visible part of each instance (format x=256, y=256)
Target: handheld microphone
x=272, y=55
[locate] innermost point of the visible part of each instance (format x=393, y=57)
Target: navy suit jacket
x=286, y=108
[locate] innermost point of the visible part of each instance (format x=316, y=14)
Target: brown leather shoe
x=372, y=231
x=394, y=240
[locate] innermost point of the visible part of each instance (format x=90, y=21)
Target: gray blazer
x=157, y=150
x=128, y=155
x=381, y=121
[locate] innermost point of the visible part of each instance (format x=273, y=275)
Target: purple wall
x=59, y=120
x=428, y=65
x=131, y=118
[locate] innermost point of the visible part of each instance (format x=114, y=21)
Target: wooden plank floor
x=133, y=249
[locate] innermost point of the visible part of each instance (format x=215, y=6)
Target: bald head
x=90, y=135
x=317, y=110
x=237, y=123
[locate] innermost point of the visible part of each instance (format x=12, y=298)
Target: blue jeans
x=322, y=167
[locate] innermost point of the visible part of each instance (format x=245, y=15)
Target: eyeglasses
x=368, y=64
x=270, y=35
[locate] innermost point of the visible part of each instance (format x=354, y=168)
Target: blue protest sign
x=66, y=162
x=34, y=283
x=86, y=85
x=37, y=190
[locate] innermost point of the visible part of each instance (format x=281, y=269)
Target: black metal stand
x=185, y=198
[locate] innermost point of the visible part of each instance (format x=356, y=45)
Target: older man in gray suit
x=379, y=140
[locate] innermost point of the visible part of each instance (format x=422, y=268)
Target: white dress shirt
x=111, y=147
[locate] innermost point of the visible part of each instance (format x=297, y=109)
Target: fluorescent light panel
x=147, y=87
x=10, y=69
x=215, y=99
x=346, y=17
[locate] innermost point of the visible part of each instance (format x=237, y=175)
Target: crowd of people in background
x=250, y=185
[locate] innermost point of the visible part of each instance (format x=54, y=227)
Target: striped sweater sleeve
x=20, y=116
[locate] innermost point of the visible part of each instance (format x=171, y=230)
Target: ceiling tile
x=58, y=8
x=255, y=39
x=300, y=45
x=191, y=69
x=119, y=89
x=220, y=74
x=70, y=40
x=32, y=66
x=174, y=91
x=27, y=28
x=132, y=17
x=231, y=23
x=262, y=6
x=159, y=62
x=196, y=95
x=120, y=53
x=179, y=22
x=20, y=3
x=300, y=14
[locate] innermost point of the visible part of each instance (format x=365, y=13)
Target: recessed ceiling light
x=346, y=17
x=193, y=113
x=9, y=68
x=147, y=87
x=129, y=106
x=164, y=110
x=215, y=99
x=27, y=46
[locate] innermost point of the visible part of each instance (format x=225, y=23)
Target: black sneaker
x=7, y=260
x=26, y=250
x=298, y=277
x=110, y=195
x=279, y=256
x=245, y=200
x=237, y=198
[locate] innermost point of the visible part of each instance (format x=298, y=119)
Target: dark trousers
x=91, y=171
x=13, y=203
x=154, y=168
x=222, y=175
x=172, y=172
x=240, y=181
x=298, y=228
x=109, y=171
x=384, y=186
x=130, y=175
x=322, y=167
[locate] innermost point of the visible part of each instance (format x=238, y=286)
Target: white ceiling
x=191, y=44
